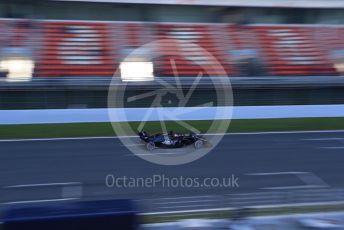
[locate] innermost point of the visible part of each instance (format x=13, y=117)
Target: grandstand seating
x=80, y=48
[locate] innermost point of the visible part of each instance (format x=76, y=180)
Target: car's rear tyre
x=150, y=146
x=198, y=144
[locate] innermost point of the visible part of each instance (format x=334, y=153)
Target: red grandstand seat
x=291, y=50
x=74, y=48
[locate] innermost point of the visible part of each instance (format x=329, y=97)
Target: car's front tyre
x=198, y=144
x=150, y=146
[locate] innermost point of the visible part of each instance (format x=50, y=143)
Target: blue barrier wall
x=50, y=116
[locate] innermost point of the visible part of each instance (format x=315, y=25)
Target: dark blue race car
x=171, y=140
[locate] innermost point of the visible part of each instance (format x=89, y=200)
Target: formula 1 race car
x=171, y=140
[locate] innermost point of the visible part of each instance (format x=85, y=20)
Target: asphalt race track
x=77, y=168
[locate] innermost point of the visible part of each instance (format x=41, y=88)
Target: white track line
x=186, y=211
x=184, y=201
x=275, y=173
x=325, y=139
x=333, y=147
x=253, y=206
x=140, y=154
x=209, y=134
x=43, y=185
x=152, y=154
x=185, y=206
x=132, y=145
x=56, y=139
x=185, y=197
x=295, y=187
x=283, y=132
x=38, y=201
x=310, y=180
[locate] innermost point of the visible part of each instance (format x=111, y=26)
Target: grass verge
x=105, y=129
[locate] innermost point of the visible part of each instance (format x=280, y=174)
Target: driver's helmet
x=171, y=133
